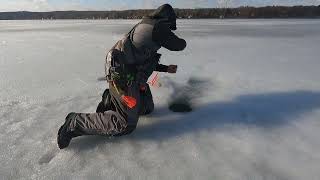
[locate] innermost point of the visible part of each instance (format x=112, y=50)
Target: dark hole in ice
x=180, y=107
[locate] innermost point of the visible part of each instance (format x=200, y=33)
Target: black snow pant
x=116, y=119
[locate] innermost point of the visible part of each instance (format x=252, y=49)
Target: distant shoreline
x=268, y=12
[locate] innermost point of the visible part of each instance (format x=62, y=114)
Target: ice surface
x=256, y=117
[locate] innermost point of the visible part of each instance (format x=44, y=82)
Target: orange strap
x=131, y=102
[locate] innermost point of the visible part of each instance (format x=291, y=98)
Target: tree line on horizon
x=201, y=13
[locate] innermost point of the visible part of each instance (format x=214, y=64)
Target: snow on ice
x=255, y=117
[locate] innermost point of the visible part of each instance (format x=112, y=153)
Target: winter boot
x=64, y=133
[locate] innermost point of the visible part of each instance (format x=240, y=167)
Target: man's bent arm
x=167, y=39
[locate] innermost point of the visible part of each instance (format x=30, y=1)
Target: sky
x=52, y=5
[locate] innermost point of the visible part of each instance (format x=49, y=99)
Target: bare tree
x=224, y=5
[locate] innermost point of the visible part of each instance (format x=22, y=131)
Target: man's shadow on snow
x=269, y=110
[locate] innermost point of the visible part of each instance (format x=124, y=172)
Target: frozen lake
x=254, y=86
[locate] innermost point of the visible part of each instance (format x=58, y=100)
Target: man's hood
x=166, y=12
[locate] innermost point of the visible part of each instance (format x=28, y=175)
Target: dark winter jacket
x=139, y=47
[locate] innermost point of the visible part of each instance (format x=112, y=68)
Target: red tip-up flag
x=154, y=81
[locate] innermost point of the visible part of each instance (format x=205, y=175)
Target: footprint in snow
x=46, y=158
